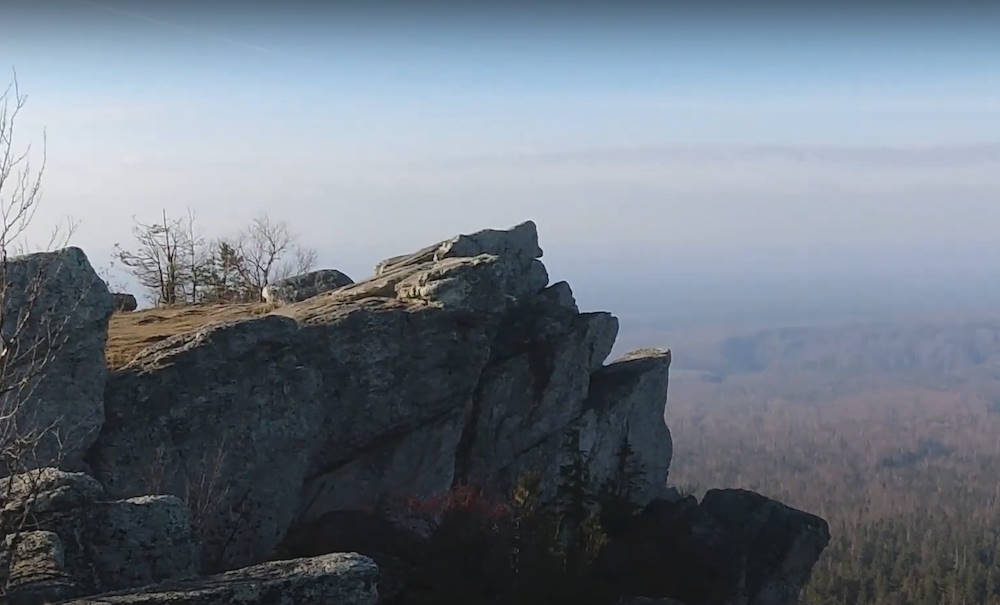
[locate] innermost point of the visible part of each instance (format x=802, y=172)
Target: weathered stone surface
x=124, y=302
x=307, y=285
x=626, y=410
x=35, y=569
x=99, y=545
x=734, y=548
x=45, y=491
x=55, y=320
x=231, y=410
x=417, y=464
x=341, y=579
x=132, y=542
x=534, y=387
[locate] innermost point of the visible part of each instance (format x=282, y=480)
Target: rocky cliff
x=458, y=364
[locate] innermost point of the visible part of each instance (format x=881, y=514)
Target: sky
x=685, y=162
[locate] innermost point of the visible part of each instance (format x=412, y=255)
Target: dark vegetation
x=468, y=547
x=891, y=433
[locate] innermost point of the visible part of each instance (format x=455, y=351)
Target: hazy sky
x=677, y=160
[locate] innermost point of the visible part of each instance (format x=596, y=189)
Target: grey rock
x=781, y=544
x=45, y=491
x=341, y=579
x=35, y=569
x=418, y=464
x=231, y=412
x=626, y=405
x=736, y=547
x=514, y=263
x=133, y=542
x=561, y=294
x=533, y=389
x=473, y=284
x=102, y=545
x=125, y=303
x=55, y=320
x=454, y=364
x=306, y=285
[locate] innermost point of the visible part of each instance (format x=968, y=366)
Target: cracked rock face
x=67, y=539
x=55, y=325
x=452, y=364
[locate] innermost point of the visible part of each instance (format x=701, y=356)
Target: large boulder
x=341, y=579
x=736, y=547
x=227, y=416
x=54, y=327
x=300, y=287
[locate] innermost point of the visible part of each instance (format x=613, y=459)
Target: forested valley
x=890, y=432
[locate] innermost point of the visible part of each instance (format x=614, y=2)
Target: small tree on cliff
x=164, y=258
x=178, y=265
x=267, y=252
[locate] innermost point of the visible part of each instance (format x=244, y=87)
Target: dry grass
x=130, y=333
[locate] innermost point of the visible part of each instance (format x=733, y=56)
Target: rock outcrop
x=449, y=365
x=306, y=285
x=55, y=324
x=457, y=364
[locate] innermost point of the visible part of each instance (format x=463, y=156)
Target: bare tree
x=267, y=251
x=159, y=260
x=30, y=334
x=196, y=259
x=175, y=262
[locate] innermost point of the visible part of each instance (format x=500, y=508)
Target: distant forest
x=892, y=433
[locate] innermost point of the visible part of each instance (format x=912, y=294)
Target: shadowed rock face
x=734, y=548
x=55, y=324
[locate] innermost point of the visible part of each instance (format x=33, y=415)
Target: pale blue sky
x=663, y=151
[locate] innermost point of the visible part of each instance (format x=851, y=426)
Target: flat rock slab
x=336, y=579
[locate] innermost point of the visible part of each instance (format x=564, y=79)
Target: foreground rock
x=307, y=285
x=63, y=539
x=55, y=321
x=734, y=548
x=337, y=579
x=230, y=413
